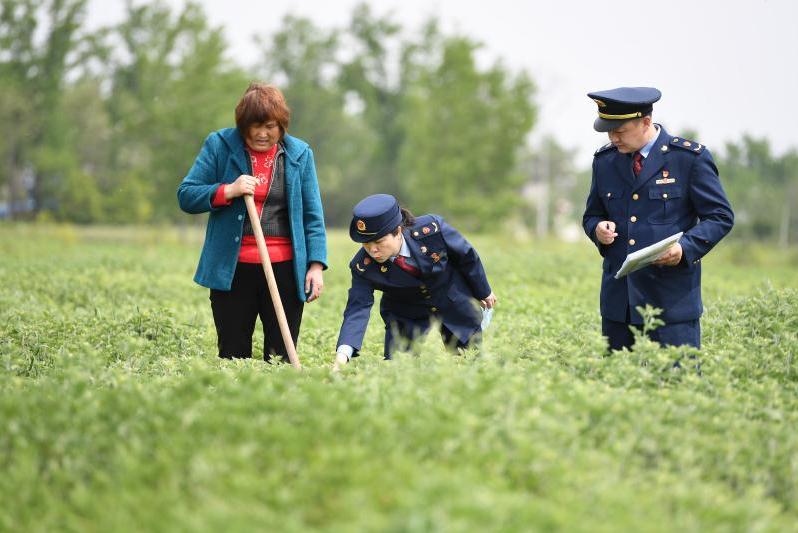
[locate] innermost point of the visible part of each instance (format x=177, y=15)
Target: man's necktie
x=637, y=163
x=402, y=263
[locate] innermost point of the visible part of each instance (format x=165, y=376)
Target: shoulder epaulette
x=425, y=226
x=686, y=144
x=606, y=147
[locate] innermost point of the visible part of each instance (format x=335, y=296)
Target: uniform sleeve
x=466, y=260
x=197, y=190
x=356, y=314
x=594, y=213
x=712, y=207
x=313, y=214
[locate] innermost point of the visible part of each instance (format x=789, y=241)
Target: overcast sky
x=724, y=67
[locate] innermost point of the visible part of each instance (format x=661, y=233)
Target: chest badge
x=665, y=179
x=425, y=230
x=435, y=257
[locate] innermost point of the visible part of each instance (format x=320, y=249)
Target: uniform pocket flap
x=664, y=193
x=610, y=194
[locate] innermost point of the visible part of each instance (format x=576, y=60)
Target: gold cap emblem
x=599, y=102
x=361, y=226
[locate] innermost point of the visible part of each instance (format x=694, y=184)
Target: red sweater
x=279, y=247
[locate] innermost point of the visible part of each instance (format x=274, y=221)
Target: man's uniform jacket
x=678, y=189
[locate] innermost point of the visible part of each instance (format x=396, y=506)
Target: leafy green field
x=115, y=413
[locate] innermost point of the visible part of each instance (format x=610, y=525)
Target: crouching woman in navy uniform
x=427, y=272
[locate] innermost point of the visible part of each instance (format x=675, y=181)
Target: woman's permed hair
x=261, y=103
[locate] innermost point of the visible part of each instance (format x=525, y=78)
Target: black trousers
x=235, y=311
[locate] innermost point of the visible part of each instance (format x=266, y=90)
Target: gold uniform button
x=635, y=196
x=633, y=219
x=434, y=309
x=631, y=242
x=664, y=195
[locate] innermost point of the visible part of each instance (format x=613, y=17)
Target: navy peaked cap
x=620, y=105
x=373, y=217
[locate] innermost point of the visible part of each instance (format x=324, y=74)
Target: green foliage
x=171, y=86
x=463, y=129
x=764, y=189
x=116, y=414
x=383, y=116
x=100, y=125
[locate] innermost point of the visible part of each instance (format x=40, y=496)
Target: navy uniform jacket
x=677, y=190
x=451, y=277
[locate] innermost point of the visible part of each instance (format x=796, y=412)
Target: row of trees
x=101, y=125
x=104, y=124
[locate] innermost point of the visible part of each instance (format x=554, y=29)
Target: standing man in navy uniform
x=426, y=270
x=648, y=185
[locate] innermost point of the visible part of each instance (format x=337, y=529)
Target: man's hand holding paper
x=668, y=251
x=671, y=256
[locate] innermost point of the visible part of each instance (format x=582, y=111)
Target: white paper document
x=646, y=256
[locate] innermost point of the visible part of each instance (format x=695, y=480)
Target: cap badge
x=599, y=102
x=361, y=226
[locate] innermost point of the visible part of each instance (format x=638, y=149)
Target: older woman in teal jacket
x=257, y=157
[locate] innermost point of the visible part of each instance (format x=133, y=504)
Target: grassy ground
x=115, y=413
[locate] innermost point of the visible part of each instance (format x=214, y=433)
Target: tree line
x=100, y=125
